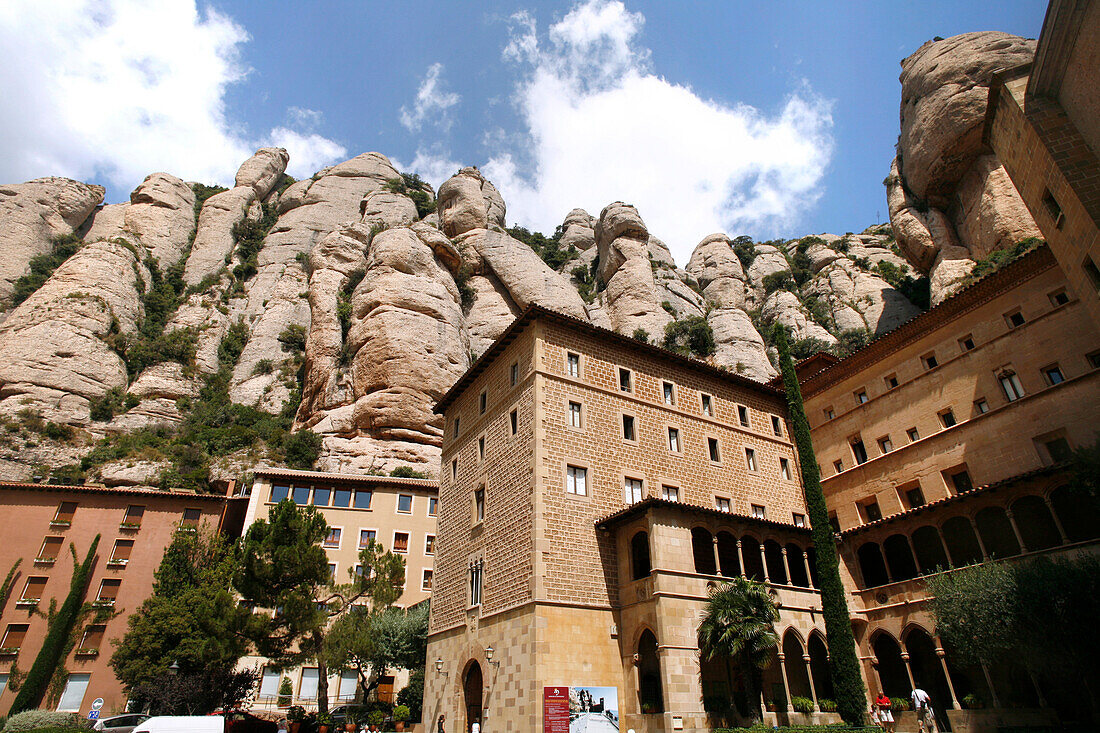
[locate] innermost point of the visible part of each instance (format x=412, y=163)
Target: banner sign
x=586, y=708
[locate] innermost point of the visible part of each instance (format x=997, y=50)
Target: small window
x=625, y=381
x=838, y=466
x=722, y=504
x=300, y=494
x=632, y=490
x=777, y=425
x=331, y=574
x=34, y=589
x=108, y=590
x=799, y=519
x=332, y=540
x=479, y=504
x=743, y=415
x=120, y=554
x=363, y=499
x=482, y=402
x=912, y=434
x=321, y=495
x=1053, y=374
x=573, y=364
x=191, y=517
x=628, y=428
x=405, y=503
x=1058, y=449
x=981, y=406
x=475, y=572
x=674, y=440
x=456, y=427
x=712, y=450
x=1010, y=384
x=708, y=405
x=947, y=417
x=834, y=522
x=670, y=493
x=861, y=397
x=133, y=515
x=1015, y=319
x=574, y=414
x=914, y=497
x=859, y=451
x=513, y=374
x=966, y=343
x=1092, y=271
x=750, y=459
x=454, y=469
x=481, y=448
x=785, y=468
x=341, y=498
x=891, y=381
x=433, y=506
x=367, y=536
x=929, y=360
x=870, y=510
x=278, y=493
x=668, y=393
x=576, y=480
x=513, y=419
x=1058, y=297
x=759, y=512
x=1050, y=204
x=400, y=541
x=429, y=544
x=65, y=512
x=14, y=636
x=426, y=580
x=960, y=481
x=885, y=444
x=830, y=414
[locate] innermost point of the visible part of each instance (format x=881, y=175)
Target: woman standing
x=882, y=713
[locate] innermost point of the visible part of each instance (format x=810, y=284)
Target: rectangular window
x=829, y=413
x=668, y=393
x=712, y=450
x=513, y=419
x=269, y=683
x=454, y=469
x=834, y=522
x=65, y=512
x=576, y=480
x=670, y=493
x=960, y=481
x=573, y=362
x=885, y=444
x=632, y=490
x=628, y=428
x=33, y=589
x=1058, y=297
x=891, y=381
x=278, y=493
x=966, y=343
x=1058, y=449
x=871, y=512
x=750, y=459
x=72, y=697
x=433, y=506
x=1092, y=271
x=482, y=403
x=785, y=469
x=912, y=434
x=121, y=552
x=674, y=440
x=743, y=415
x=513, y=374
x=838, y=466
x=429, y=544
x=93, y=637
x=947, y=417
x=722, y=504
x=1015, y=319
x=456, y=426
x=479, y=504
x=332, y=541
x=307, y=689
x=777, y=425
x=426, y=580
x=799, y=519
x=14, y=636
x=191, y=517
x=400, y=541
x=1053, y=374
x=476, y=569
x=108, y=589
x=405, y=503
x=929, y=360
x=1010, y=383
x=859, y=452
x=321, y=495
x=363, y=498
x=341, y=498
x=574, y=414
x=981, y=406
x=759, y=512
x=367, y=536
x=301, y=495
x=1052, y=208
x=481, y=448
x=914, y=497
x=708, y=405
x=861, y=397
x=133, y=515
x=625, y=384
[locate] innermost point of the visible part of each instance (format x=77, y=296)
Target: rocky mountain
x=195, y=332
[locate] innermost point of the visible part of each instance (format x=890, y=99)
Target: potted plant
x=971, y=701
x=376, y=718
x=324, y=723
x=899, y=704
x=401, y=713
x=827, y=705
x=802, y=705
x=351, y=720
x=286, y=691
x=296, y=715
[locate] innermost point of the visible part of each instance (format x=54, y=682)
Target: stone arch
x=798, y=566
x=639, y=555
x=1035, y=523
x=798, y=678
x=871, y=565
x=899, y=558
x=893, y=679
x=750, y=551
x=961, y=541
x=1077, y=511
x=811, y=555
x=472, y=689
x=650, y=694
x=927, y=669
x=819, y=665
x=931, y=556
x=996, y=532
x=702, y=551
x=773, y=556
x=728, y=561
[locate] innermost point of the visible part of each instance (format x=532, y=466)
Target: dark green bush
x=999, y=258
x=778, y=281
x=640, y=334
x=466, y=291
x=302, y=449
x=549, y=249
x=745, y=250
x=407, y=472
x=691, y=336
x=42, y=266
x=293, y=338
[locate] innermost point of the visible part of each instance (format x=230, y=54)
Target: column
x=1057, y=521
x=946, y=550
x=978, y=536
x=885, y=563
x=913, y=552
x=1016, y=530
x=764, y=562
x=810, y=674
x=989, y=684
x=787, y=564
x=1038, y=690
x=806, y=562
x=946, y=675
x=908, y=668
x=786, y=687
x=717, y=562
x=740, y=558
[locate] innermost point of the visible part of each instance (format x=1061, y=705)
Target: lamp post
x=489, y=656
x=174, y=669
x=439, y=667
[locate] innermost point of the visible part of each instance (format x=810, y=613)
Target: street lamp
x=489, y=656
x=439, y=667
x=174, y=669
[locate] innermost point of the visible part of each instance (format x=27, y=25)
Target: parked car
x=340, y=715
x=120, y=723
x=183, y=724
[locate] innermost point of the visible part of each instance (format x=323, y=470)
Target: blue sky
x=773, y=119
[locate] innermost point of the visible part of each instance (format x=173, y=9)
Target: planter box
x=129, y=527
x=45, y=560
x=60, y=524
x=27, y=602
x=9, y=651
x=109, y=603
x=117, y=563
x=86, y=653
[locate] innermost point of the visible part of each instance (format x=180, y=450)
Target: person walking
x=922, y=705
x=882, y=713
x=440, y=724
x=475, y=727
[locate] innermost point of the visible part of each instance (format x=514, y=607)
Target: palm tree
x=740, y=626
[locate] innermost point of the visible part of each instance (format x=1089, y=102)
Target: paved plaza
x=593, y=723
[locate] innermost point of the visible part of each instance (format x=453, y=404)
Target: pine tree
x=851, y=697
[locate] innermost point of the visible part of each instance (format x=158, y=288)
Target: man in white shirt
x=922, y=705
x=475, y=727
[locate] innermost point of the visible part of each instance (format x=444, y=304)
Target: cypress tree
x=851, y=698
x=38, y=677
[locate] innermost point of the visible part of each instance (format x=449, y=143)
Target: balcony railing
x=90, y=652
x=8, y=651
x=60, y=523
x=45, y=560
x=27, y=602
x=129, y=526
x=115, y=562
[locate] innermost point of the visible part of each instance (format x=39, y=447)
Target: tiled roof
x=641, y=507
x=291, y=474
x=117, y=490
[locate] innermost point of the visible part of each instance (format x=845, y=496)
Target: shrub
x=999, y=258
x=401, y=713
x=802, y=704
x=36, y=719
x=777, y=281
x=668, y=308
x=549, y=249
x=249, y=237
x=286, y=692
x=690, y=336
x=105, y=407
x=466, y=291
x=407, y=472
x=640, y=334
x=971, y=701
x=302, y=449
x=42, y=266
x=293, y=338
x=827, y=705
x=745, y=251
x=376, y=718
x=585, y=277
x=57, y=431
x=264, y=366
x=343, y=300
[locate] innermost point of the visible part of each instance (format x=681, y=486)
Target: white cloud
x=431, y=101
x=433, y=164
x=603, y=127
x=116, y=90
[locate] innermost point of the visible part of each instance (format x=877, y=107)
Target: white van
x=183, y=724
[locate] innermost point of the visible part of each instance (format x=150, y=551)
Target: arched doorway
x=472, y=687
x=871, y=565
x=927, y=670
x=819, y=667
x=891, y=669
x=650, y=695
x=962, y=543
x=1036, y=525
x=727, y=555
x=702, y=551
x=931, y=557
x=754, y=564
x=798, y=678
x=996, y=532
